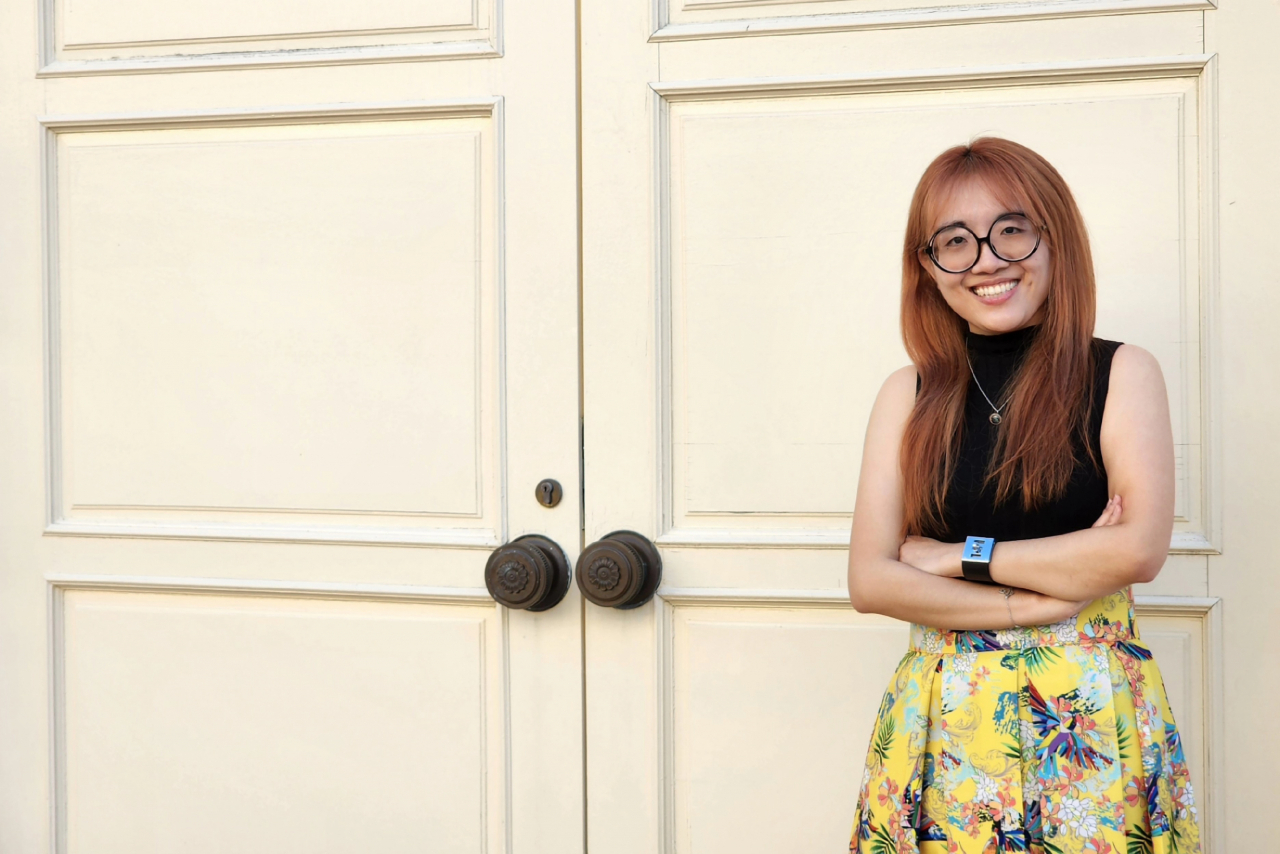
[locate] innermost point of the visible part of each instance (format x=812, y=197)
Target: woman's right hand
x=1110, y=513
x=1036, y=609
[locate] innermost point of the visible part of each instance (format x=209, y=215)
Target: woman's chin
x=998, y=323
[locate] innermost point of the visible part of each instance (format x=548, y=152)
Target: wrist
x=1008, y=594
x=996, y=569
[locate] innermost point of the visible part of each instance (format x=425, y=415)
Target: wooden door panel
x=767, y=702
x=292, y=341
x=207, y=720
x=783, y=236
x=759, y=160
x=254, y=321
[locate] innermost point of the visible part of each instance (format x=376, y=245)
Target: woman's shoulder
x=1119, y=357
x=891, y=410
x=1136, y=405
x=903, y=382
x=1132, y=364
x=900, y=384
x=898, y=392
x=1126, y=373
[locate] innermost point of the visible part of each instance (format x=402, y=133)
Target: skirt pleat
x=1050, y=739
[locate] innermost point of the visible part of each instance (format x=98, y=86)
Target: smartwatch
x=975, y=563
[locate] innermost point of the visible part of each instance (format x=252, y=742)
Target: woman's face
x=994, y=296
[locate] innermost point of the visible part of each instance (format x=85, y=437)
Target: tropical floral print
x=1053, y=739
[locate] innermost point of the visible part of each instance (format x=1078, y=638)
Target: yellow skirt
x=1053, y=739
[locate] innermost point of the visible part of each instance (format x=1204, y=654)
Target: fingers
x=1106, y=514
x=1115, y=510
x=1111, y=513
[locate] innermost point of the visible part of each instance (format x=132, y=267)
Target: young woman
x=1017, y=479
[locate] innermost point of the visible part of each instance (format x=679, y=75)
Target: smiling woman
x=1029, y=718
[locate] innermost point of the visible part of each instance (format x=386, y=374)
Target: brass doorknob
x=620, y=570
x=530, y=573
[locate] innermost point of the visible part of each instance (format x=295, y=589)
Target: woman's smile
x=995, y=291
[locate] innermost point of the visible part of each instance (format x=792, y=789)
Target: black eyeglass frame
x=987, y=240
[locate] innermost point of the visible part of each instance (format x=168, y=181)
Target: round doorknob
x=530, y=573
x=620, y=570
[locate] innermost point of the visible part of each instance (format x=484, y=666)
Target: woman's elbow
x=859, y=595
x=1148, y=567
x=1146, y=561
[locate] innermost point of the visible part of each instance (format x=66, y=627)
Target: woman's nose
x=988, y=261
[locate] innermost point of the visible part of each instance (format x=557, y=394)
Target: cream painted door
x=289, y=297
x=747, y=172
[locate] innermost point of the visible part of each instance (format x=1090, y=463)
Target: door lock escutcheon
x=548, y=492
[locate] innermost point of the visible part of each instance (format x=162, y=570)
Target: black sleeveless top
x=970, y=508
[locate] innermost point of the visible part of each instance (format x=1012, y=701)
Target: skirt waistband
x=1106, y=620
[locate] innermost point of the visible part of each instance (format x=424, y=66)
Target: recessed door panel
x=777, y=694
x=785, y=263
x=279, y=322
x=215, y=722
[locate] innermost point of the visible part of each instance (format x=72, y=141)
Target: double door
x=301, y=303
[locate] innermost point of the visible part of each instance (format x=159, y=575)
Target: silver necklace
x=994, y=417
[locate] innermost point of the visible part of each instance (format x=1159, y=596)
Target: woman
x=1033, y=718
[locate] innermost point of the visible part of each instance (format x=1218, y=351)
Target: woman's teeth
x=995, y=290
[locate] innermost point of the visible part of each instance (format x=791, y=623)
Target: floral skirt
x=1056, y=739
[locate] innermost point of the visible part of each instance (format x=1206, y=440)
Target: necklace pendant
x=994, y=418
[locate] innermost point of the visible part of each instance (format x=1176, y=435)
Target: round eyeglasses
x=955, y=249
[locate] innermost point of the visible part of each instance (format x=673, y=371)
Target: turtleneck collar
x=1001, y=344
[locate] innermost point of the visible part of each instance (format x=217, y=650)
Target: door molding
x=279, y=50
x=920, y=16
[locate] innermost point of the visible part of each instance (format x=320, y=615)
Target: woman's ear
x=923, y=257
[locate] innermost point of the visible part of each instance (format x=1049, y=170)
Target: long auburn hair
x=1034, y=452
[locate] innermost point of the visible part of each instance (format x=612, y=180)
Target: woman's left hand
x=933, y=557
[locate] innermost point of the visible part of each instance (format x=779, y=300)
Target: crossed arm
x=920, y=580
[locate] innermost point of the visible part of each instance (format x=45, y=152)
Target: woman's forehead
x=970, y=201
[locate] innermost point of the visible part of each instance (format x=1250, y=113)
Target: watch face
x=975, y=561
x=978, y=549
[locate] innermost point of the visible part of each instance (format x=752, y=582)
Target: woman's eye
x=958, y=240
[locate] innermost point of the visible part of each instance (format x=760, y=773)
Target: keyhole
x=548, y=493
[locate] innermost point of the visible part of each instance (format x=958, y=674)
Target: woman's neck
x=1001, y=343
